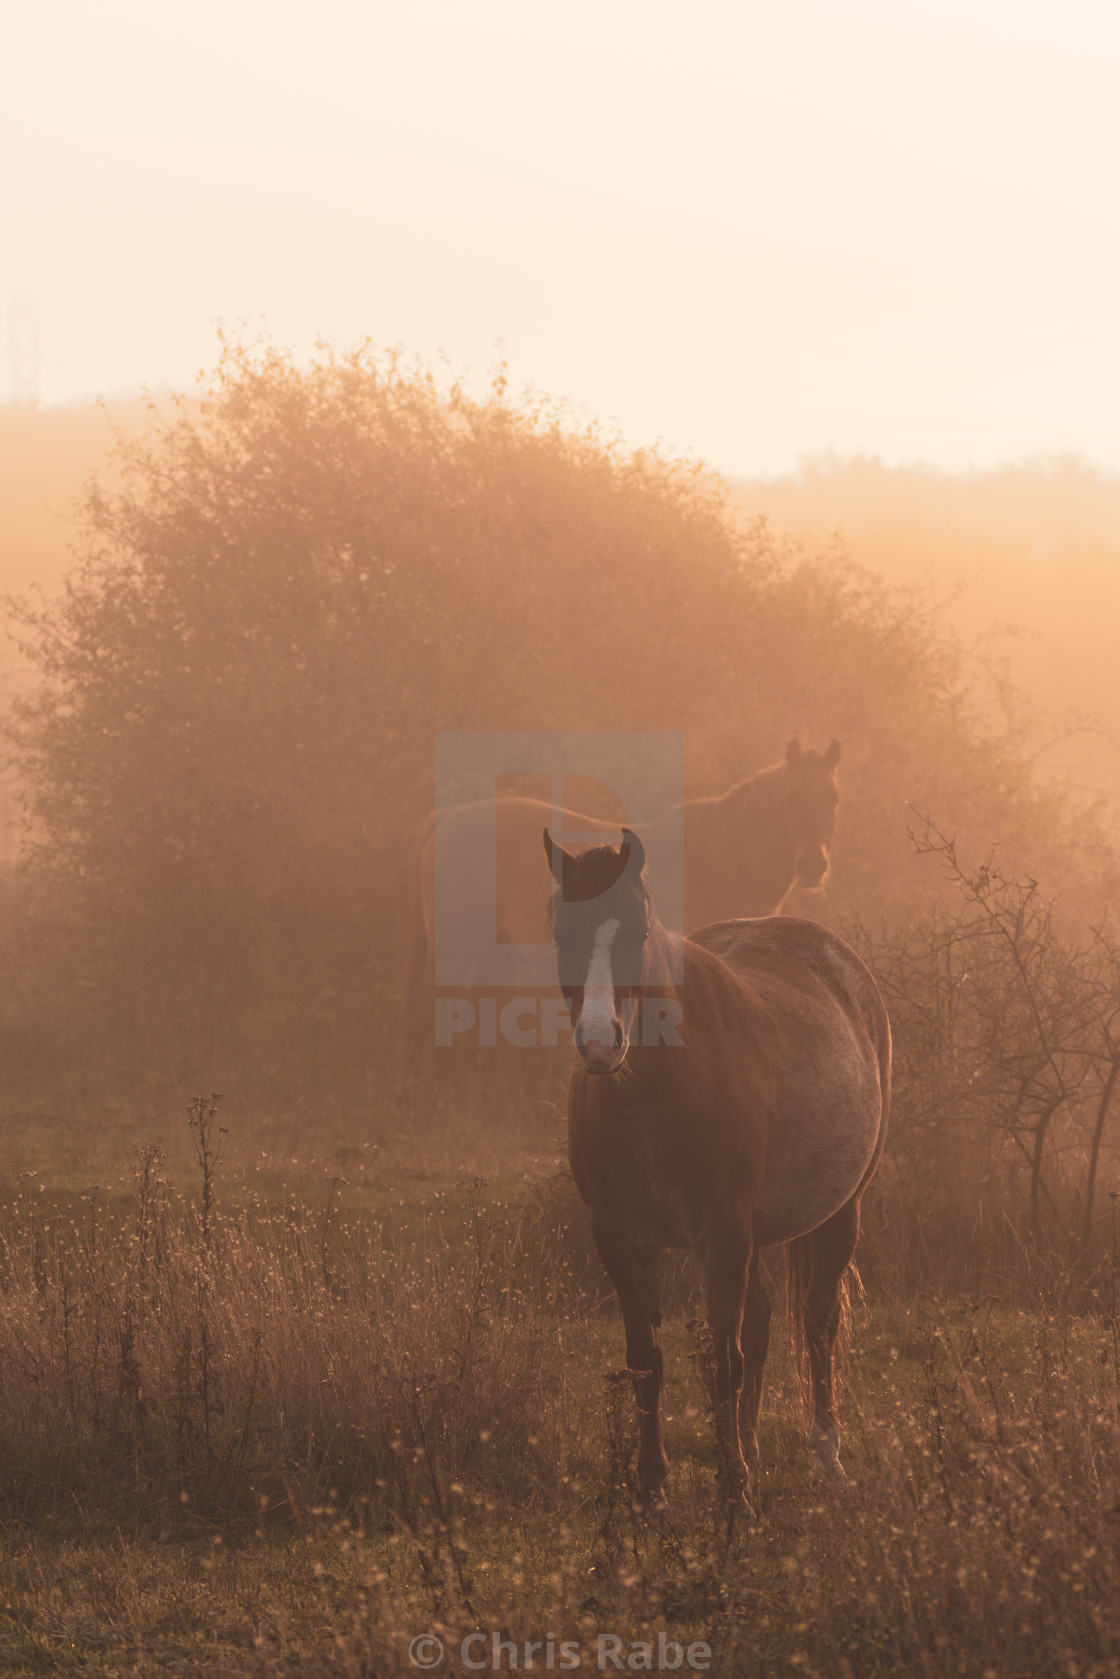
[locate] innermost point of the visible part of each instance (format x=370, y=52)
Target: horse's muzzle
x=601, y=1058
x=812, y=871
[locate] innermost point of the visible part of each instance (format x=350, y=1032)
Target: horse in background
x=754, y=1112
x=743, y=854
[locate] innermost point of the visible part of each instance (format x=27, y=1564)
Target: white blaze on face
x=597, y=1017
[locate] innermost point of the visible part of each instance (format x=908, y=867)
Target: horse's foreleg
x=832, y=1246
x=633, y=1272
x=755, y=1341
x=726, y=1265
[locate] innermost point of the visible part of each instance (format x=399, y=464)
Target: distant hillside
x=1033, y=548
x=46, y=456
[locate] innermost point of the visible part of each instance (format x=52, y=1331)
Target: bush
x=305, y=575
x=1006, y=1064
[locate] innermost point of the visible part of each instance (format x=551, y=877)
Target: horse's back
x=830, y=1046
x=758, y=949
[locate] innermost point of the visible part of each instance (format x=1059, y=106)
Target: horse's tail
x=800, y=1251
x=799, y=1277
x=799, y=1268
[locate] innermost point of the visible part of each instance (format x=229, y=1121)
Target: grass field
x=373, y=1397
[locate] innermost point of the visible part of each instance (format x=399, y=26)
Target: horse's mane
x=664, y=963
x=759, y=789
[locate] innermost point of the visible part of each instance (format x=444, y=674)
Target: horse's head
x=811, y=799
x=600, y=924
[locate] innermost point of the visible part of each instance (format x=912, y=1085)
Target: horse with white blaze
x=759, y=1119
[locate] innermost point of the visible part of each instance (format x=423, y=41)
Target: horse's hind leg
x=633, y=1272
x=727, y=1262
x=831, y=1247
x=755, y=1342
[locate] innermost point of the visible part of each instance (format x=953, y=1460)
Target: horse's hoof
x=828, y=1474
x=651, y=1501
x=741, y=1513
x=734, y=1499
x=825, y=1446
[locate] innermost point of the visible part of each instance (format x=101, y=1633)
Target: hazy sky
x=749, y=230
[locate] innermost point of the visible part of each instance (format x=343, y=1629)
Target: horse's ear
x=633, y=851
x=832, y=756
x=557, y=857
x=793, y=751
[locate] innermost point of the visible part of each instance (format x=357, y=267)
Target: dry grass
x=294, y=1443
x=164, y=1358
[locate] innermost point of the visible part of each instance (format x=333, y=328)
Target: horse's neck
x=696, y=976
x=741, y=837
x=754, y=804
x=663, y=968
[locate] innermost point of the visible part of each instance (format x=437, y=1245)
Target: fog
x=876, y=229
x=560, y=571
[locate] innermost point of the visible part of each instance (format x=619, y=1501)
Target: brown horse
x=731, y=1091
x=743, y=854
